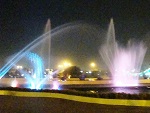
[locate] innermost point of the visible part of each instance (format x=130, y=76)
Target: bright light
x=81, y=71
x=90, y=71
x=55, y=85
x=93, y=64
x=64, y=65
x=19, y=67
x=60, y=66
x=14, y=83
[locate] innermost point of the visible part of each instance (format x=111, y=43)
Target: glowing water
x=21, y=54
x=37, y=78
x=31, y=46
x=45, y=49
x=124, y=63
x=35, y=81
x=67, y=30
x=48, y=28
x=38, y=70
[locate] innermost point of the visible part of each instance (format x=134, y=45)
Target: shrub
x=141, y=96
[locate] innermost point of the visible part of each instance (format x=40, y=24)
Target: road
x=72, y=81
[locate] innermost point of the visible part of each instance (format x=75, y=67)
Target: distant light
x=93, y=64
x=90, y=72
x=64, y=65
x=91, y=79
x=69, y=76
x=60, y=66
x=19, y=67
x=81, y=71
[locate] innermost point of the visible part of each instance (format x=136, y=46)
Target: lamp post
x=93, y=65
x=64, y=65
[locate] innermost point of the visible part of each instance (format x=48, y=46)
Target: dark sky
x=22, y=21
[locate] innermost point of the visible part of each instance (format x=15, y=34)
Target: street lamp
x=93, y=65
x=64, y=65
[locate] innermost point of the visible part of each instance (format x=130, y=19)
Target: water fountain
x=124, y=63
x=34, y=45
x=35, y=49
x=31, y=52
x=45, y=47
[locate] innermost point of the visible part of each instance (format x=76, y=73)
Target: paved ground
x=11, y=104
x=75, y=81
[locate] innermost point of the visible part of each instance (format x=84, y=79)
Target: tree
x=74, y=71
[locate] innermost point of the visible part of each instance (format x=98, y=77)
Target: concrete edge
x=124, y=102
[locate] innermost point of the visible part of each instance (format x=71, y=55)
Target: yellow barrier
x=124, y=102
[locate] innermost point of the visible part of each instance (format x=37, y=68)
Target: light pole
x=93, y=65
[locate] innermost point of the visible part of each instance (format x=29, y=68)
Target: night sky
x=22, y=21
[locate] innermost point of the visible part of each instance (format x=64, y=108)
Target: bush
x=141, y=96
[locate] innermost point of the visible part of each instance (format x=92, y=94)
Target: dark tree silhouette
x=74, y=71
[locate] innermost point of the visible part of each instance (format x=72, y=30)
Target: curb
x=124, y=102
